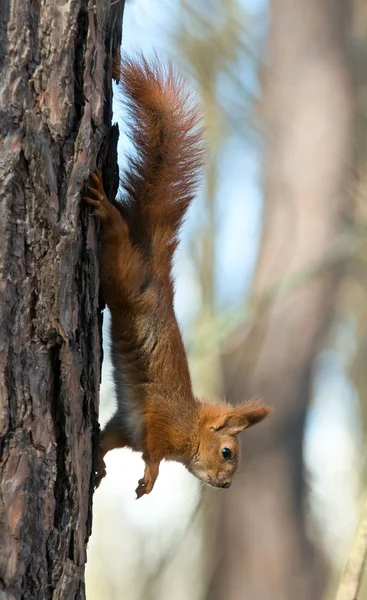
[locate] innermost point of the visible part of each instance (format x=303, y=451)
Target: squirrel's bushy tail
x=162, y=173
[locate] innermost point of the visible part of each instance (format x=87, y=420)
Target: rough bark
x=55, y=112
x=262, y=550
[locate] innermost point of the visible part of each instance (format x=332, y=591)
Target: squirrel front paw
x=141, y=489
x=146, y=484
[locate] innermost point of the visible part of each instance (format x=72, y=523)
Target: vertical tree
x=55, y=111
x=262, y=549
x=353, y=293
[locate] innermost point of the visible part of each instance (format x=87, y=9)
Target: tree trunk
x=55, y=112
x=353, y=291
x=262, y=550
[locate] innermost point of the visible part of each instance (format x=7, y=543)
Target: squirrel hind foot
x=97, y=197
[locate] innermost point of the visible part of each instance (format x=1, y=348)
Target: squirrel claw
x=141, y=489
x=97, y=178
x=91, y=201
x=100, y=472
x=97, y=198
x=95, y=191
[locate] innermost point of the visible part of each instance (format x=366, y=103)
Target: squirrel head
x=216, y=448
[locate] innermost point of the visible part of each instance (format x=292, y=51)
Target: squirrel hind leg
x=123, y=267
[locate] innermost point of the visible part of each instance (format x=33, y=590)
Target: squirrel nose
x=227, y=484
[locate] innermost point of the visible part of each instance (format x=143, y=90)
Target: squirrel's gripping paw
x=146, y=484
x=98, y=198
x=100, y=472
x=141, y=489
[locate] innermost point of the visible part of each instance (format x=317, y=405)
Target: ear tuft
x=231, y=420
x=253, y=410
x=240, y=417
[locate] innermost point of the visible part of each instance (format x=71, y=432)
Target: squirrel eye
x=226, y=453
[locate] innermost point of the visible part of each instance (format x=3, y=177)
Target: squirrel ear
x=232, y=423
x=241, y=417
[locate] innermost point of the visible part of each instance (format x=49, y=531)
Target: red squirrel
x=157, y=411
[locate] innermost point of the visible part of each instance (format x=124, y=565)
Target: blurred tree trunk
x=262, y=550
x=353, y=289
x=55, y=112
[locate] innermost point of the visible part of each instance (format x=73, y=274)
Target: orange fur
x=157, y=412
